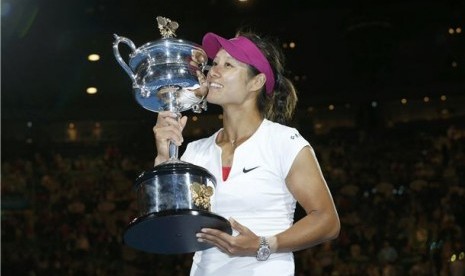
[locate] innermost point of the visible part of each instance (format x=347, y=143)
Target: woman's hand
x=246, y=243
x=202, y=90
x=168, y=128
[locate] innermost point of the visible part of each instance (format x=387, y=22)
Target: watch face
x=263, y=253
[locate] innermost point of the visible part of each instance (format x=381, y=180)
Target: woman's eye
x=225, y=64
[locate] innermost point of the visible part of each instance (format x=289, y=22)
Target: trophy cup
x=175, y=197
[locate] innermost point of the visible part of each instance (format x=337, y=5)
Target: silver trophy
x=175, y=197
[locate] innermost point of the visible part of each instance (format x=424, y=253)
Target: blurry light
x=91, y=90
x=458, y=30
x=403, y=101
x=310, y=109
x=195, y=118
x=453, y=258
x=29, y=140
x=292, y=45
x=29, y=124
x=347, y=105
x=374, y=104
x=443, y=97
x=454, y=64
x=296, y=78
x=72, y=132
x=243, y=0
x=304, y=77
x=444, y=111
x=197, y=131
x=220, y=116
x=318, y=126
x=451, y=31
x=93, y=57
x=284, y=45
x=401, y=190
x=331, y=107
x=461, y=255
x=426, y=99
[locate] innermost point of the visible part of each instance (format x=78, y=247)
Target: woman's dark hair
x=280, y=105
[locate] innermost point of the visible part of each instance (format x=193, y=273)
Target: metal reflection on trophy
x=175, y=197
x=164, y=73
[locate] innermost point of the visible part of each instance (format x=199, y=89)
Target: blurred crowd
x=400, y=194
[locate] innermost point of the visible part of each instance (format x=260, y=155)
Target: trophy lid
x=168, y=49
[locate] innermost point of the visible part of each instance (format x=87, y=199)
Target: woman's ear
x=257, y=82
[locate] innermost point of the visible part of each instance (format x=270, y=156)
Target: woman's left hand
x=245, y=243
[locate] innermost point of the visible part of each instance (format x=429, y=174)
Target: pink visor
x=242, y=49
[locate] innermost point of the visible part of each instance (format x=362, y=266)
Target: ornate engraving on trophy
x=167, y=27
x=201, y=195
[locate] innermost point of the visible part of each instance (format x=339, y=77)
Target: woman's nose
x=213, y=72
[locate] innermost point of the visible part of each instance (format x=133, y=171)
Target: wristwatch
x=263, y=251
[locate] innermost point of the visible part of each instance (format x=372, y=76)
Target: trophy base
x=172, y=232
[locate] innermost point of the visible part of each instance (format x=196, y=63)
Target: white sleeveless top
x=255, y=194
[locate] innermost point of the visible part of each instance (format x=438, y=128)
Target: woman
x=262, y=167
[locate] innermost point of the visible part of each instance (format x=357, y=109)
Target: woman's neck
x=239, y=127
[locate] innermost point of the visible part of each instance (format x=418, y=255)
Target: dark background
x=346, y=51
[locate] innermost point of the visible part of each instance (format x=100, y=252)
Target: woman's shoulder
x=197, y=148
x=203, y=143
x=280, y=131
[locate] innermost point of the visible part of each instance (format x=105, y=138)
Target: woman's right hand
x=168, y=128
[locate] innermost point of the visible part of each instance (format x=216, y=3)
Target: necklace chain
x=234, y=142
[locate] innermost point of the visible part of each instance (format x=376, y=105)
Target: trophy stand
x=175, y=197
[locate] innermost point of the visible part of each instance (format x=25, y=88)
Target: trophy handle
x=120, y=60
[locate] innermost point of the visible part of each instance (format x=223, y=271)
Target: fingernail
x=198, y=235
x=200, y=240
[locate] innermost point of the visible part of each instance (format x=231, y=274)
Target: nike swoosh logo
x=244, y=170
